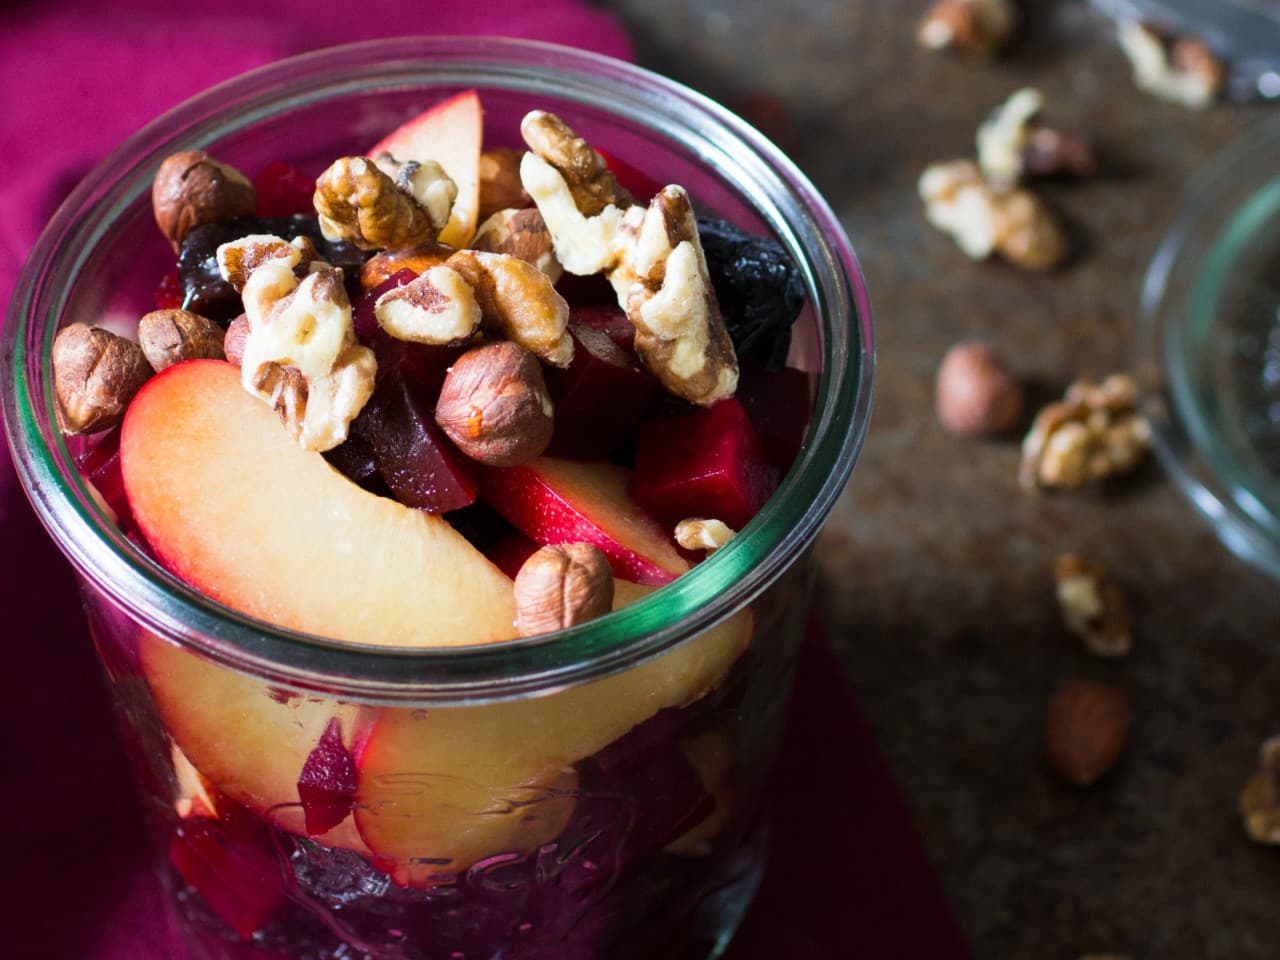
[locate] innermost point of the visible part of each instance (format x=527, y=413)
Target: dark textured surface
x=937, y=569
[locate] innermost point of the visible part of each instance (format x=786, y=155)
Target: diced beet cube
x=415, y=459
x=510, y=553
x=327, y=784
x=284, y=190
x=169, y=291
x=589, y=291
x=232, y=870
x=707, y=464
x=362, y=316
x=780, y=405
x=599, y=399
x=354, y=459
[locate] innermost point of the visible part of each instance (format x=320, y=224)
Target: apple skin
x=230, y=504
x=450, y=133
x=561, y=501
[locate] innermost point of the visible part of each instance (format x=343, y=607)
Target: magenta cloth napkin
x=75, y=80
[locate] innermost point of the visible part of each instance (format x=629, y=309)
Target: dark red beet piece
x=510, y=553
x=327, y=784
x=707, y=464
x=607, y=318
x=415, y=459
x=100, y=465
x=362, y=315
x=641, y=185
x=232, y=870
x=284, y=190
x=780, y=405
x=169, y=291
x=599, y=399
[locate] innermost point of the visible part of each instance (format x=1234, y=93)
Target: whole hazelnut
x=191, y=188
x=1087, y=729
x=95, y=375
x=562, y=585
x=170, y=336
x=976, y=394
x=500, y=185
x=494, y=405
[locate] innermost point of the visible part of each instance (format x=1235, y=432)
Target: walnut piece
x=1181, y=70
x=1260, y=798
x=1014, y=223
x=95, y=375
x=1014, y=142
x=562, y=585
x=301, y=354
x=521, y=233
x=518, y=301
x=978, y=27
x=171, y=336
x=437, y=306
x=239, y=258
x=1094, y=432
x=191, y=188
x=699, y=534
x=359, y=203
x=651, y=255
x=1093, y=606
x=494, y=405
x=425, y=181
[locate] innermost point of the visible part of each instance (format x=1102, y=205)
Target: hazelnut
x=95, y=375
x=975, y=393
x=1260, y=798
x=234, y=340
x=1087, y=729
x=562, y=585
x=500, y=186
x=191, y=188
x=494, y=405
x=170, y=336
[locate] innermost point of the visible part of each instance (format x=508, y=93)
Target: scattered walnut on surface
x=1180, y=70
x=1093, y=433
x=171, y=336
x=1260, y=798
x=360, y=204
x=1015, y=143
x=698, y=534
x=95, y=375
x=191, y=188
x=1014, y=223
x=301, y=354
x=1093, y=606
x=978, y=27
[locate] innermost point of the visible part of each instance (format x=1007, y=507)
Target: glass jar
x=1209, y=345
x=589, y=793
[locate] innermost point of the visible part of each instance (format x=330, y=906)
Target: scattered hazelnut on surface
x=978, y=27
x=95, y=375
x=191, y=188
x=1087, y=729
x=562, y=585
x=170, y=336
x=1092, y=605
x=234, y=339
x=1260, y=798
x=500, y=186
x=494, y=405
x=975, y=393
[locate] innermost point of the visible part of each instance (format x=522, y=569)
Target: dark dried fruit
x=759, y=289
x=206, y=293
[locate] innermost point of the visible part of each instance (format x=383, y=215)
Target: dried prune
x=203, y=289
x=758, y=286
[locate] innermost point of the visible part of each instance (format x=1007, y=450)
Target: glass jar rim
x=696, y=601
x=1227, y=209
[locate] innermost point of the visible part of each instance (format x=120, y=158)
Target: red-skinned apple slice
x=561, y=501
x=440, y=789
x=232, y=505
x=449, y=133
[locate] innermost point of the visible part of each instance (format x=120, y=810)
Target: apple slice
x=438, y=790
x=449, y=133
x=232, y=505
x=561, y=501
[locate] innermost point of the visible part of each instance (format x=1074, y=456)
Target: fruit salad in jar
x=446, y=393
